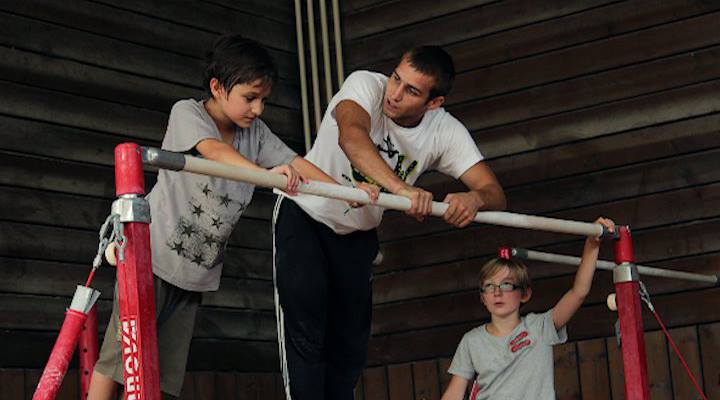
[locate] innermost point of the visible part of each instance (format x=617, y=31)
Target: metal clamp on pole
x=625, y=272
x=131, y=208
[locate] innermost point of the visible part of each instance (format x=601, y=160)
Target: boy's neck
x=502, y=326
x=223, y=123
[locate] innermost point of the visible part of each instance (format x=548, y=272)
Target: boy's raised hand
x=573, y=299
x=293, y=178
x=607, y=223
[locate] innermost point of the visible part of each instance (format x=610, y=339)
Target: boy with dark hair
x=383, y=131
x=193, y=215
x=511, y=357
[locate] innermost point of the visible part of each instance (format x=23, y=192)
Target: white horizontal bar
x=176, y=161
x=609, y=265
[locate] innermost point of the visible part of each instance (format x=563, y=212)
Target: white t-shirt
x=439, y=142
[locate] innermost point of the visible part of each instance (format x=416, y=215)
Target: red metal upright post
x=136, y=293
x=60, y=356
x=629, y=307
x=88, y=351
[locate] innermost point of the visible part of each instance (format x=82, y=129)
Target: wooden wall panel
x=709, y=344
x=593, y=365
x=592, y=24
x=567, y=379
x=375, y=384
x=400, y=382
x=687, y=342
x=595, y=108
x=425, y=377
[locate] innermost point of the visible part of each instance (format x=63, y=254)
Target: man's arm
x=354, y=139
x=485, y=194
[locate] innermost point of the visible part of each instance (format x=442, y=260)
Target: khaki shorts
x=175, y=309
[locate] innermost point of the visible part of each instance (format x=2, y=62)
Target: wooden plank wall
x=583, y=108
x=77, y=78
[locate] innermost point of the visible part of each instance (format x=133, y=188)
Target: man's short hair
x=518, y=271
x=435, y=62
x=235, y=60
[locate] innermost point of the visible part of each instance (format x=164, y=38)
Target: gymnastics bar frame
x=135, y=273
x=136, y=294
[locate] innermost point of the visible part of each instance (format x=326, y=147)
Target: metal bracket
x=131, y=208
x=163, y=159
x=625, y=272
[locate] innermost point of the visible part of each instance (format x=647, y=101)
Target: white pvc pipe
x=303, y=78
x=313, y=63
x=326, y=51
x=177, y=161
x=609, y=265
x=338, y=43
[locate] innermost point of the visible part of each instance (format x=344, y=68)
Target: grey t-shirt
x=518, y=366
x=193, y=215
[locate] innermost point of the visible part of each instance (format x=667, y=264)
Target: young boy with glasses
x=511, y=356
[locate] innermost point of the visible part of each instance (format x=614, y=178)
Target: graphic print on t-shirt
x=519, y=341
x=204, y=226
x=389, y=154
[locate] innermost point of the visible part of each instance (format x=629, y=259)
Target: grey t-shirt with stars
x=193, y=215
x=518, y=366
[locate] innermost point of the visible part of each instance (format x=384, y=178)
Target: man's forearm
x=492, y=197
x=363, y=155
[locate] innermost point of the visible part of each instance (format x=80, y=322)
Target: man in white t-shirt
x=378, y=132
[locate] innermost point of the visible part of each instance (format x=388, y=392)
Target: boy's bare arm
x=456, y=389
x=216, y=150
x=573, y=299
x=310, y=171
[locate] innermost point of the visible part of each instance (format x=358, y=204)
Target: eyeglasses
x=504, y=287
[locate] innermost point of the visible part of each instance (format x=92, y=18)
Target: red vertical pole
x=60, y=356
x=630, y=315
x=88, y=351
x=136, y=294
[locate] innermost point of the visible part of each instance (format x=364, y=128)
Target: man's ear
x=526, y=296
x=436, y=102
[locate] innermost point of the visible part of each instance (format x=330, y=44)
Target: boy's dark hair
x=235, y=60
x=436, y=62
